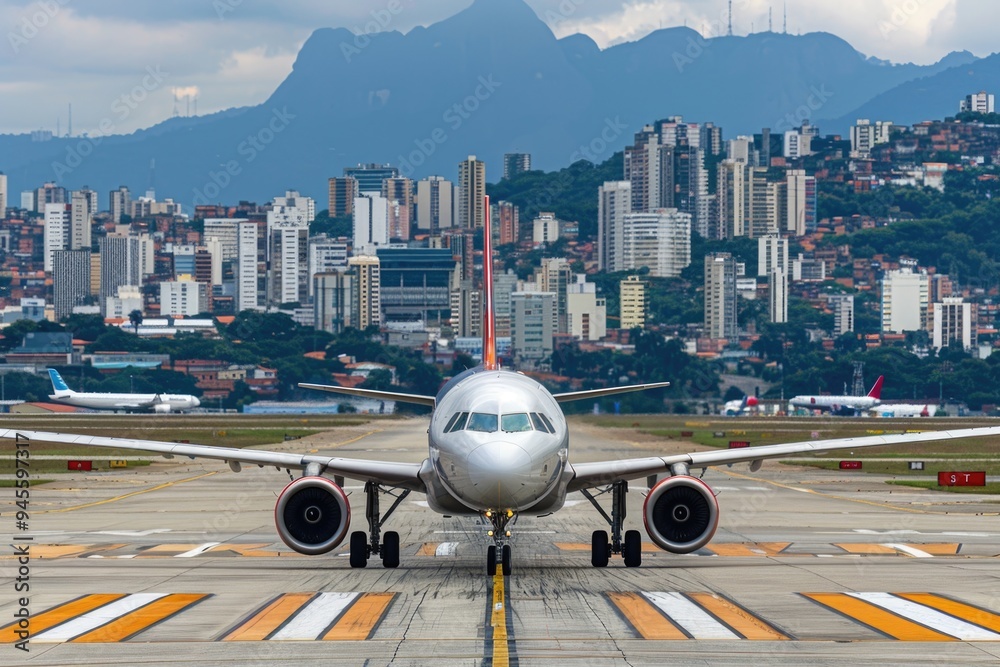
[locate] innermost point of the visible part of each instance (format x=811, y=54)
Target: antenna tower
x=770, y=25
x=730, y=18
x=784, y=26
x=858, y=387
x=69, y=131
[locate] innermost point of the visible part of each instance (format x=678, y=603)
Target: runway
x=179, y=562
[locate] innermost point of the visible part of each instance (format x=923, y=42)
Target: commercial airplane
x=159, y=403
x=843, y=405
x=740, y=407
x=499, y=449
x=904, y=410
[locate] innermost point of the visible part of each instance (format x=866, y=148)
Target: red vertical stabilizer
x=876, y=391
x=490, y=361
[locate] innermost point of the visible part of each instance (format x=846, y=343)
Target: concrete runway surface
x=179, y=563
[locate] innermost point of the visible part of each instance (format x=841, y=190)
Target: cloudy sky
x=109, y=56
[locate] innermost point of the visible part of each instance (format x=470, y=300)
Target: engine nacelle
x=161, y=408
x=681, y=514
x=312, y=515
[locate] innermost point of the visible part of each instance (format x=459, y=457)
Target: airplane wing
x=403, y=475
x=590, y=475
x=372, y=393
x=608, y=391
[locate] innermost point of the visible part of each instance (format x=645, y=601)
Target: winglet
x=876, y=391
x=490, y=361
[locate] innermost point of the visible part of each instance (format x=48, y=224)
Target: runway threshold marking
x=109, y=617
x=911, y=617
x=679, y=616
x=314, y=616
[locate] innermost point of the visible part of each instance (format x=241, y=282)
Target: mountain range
x=489, y=80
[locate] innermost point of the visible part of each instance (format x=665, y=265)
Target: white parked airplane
x=159, y=403
x=845, y=405
x=498, y=448
x=739, y=407
x=904, y=410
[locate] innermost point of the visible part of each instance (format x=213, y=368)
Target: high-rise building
x=507, y=225
x=415, y=283
x=127, y=298
x=555, y=275
x=741, y=149
x=70, y=281
x=954, y=320
x=981, y=102
x=436, y=201
x=865, y=136
x=50, y=193
x=184, y=297
x=471, y=200
x=812, y=204
x=371, y=223
x=614, y=203
x=370, y=176
x=843, y=313
x=83, y=206
x=246, y=265
x=767, y=205
x=777, y=284
x=399, y=193
x=504, y=284
x=905, y=299
x=292, y=199
x=720, y=295
x=56, y=234
x=632, y=303
x=772, y=253
x=226, y=232
x=119, y=203
x=532, y=328
x=466, y=308
x=586, y=314
x=325, y=256
x=366, y=301
x=732, y=199
x=545, y=229
x=288, y=254
x=3, y=195
x=797, y=202
x=120, y=266
x=516, y=163
x=642, y=170
x=343, y=192
x=332, y=300
x=659, y=240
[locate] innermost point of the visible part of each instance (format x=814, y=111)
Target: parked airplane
x=843, y=405
x=499, y=449
x=740, y=407
x=904, y=410
x=159, y=403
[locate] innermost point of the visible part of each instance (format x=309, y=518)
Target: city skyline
x=202, y=57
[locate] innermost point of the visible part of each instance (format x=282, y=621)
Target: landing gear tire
x=632, y=552
x=491, y=560
x=505, y=559
x=600, y=549
x=390, y=549
x=359, y=549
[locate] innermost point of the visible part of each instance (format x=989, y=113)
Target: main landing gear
x=601, y=548
x=387, y=546
x=499, y=551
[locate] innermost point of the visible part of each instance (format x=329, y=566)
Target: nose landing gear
x=501, y=542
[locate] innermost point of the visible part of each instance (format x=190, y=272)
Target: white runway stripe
x=695, y=620
x=930, y=617
x=98, y=617
x=199, y=550
x=316, y=616
x=909, y=550
x=446, y=549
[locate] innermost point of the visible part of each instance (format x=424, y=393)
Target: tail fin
x=876, y=391
x=58, y=384
x=490, y=361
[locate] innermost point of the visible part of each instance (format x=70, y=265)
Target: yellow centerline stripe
x=64, y=612
x=498, y=621
x=966, y=612
x=878, y=619
x=135, y=622
x=646, y=619
x=262, y=624
x=360, y=619
x=737, y=618
x=127, y=495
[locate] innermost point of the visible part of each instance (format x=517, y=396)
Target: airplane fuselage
x=498, y=441
x=127, y=402
x=834, y=402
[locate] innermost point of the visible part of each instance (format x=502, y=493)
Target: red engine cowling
x=312, y=515
x=681, y=514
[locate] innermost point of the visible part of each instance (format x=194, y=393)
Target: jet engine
x=312, y=515
x=161, y=408
x=681, y=514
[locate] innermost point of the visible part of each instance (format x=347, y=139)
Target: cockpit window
x=515, y=423
x=482, y=422
x=548, y=424
x=536, y=419
x=456, y=422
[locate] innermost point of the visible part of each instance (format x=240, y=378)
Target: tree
x=135, y=318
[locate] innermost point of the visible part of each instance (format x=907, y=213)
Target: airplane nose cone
x=196, y=402
x=500, y=472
